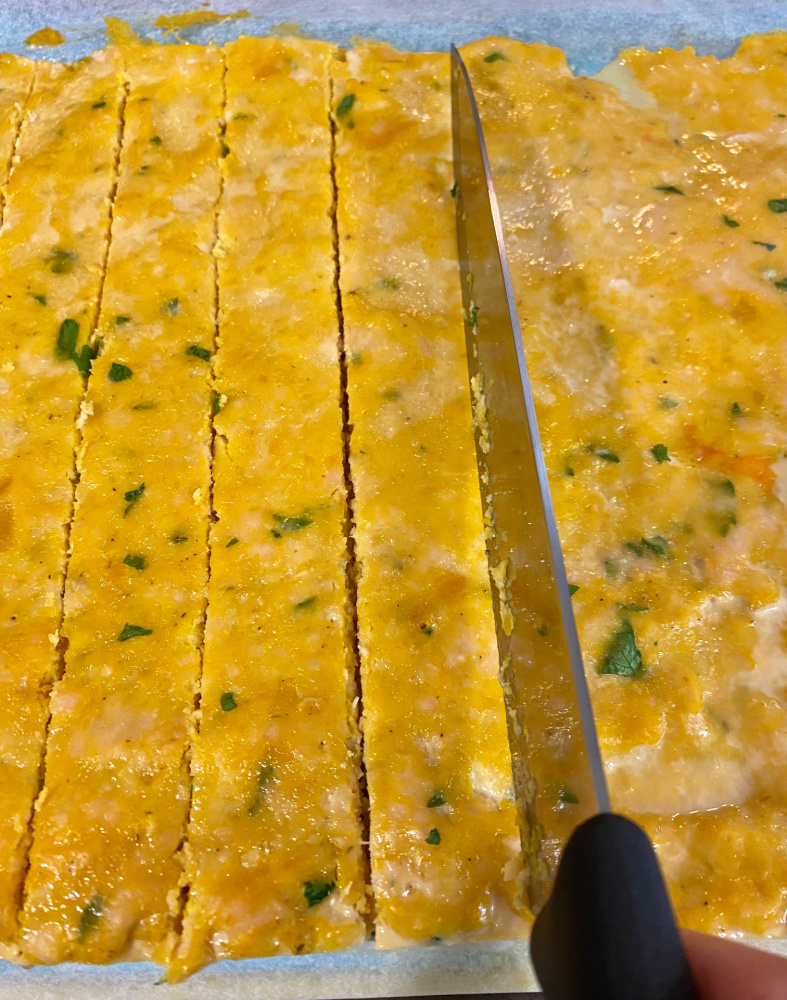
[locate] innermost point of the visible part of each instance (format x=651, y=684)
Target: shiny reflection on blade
x=558, y=772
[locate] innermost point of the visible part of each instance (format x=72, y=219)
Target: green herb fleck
x=611, y=568
x=131, y=496
x=40, y=299
x=567, y=797
x=767, y=246
x=264, y=778
x=218, y=402
x=727, y=486
x=633, y=608
x=99, y=104
x=225, y=151
x=781, y=284
x=435, y=799
x=660, y=453
x=345, y=105
x=121, y=320
x=622, y=657
x=736, y=410
x=426, y=628
x=434, y=837
x=315, y=892
x=607, y=455
x=667, y=189
x=725, y=522
x=171, y=307
x=132, y=631
x=61, y=261
x=778, y=205
x=178, y=539
x=88, y=920
x=573, y=588
x=67, y=339
x=306, y=605
x=119, y=373
x=289, y=524
x=241, y=116
x=390, y=283
x=729, y=222
x=148, y=405
x=156, y=140
x=666, y=403
x=356, y=357
x=198, y=352
x=472, y=319
x=454, y=189
x=228, y=701
x=231, y=542
x=495, y=57
x=135, y=562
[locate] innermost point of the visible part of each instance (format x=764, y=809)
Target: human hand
x=726, y=970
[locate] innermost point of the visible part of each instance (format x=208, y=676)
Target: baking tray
x=591, y=32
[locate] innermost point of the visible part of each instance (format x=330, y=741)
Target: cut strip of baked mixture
x=445, y=850
x=275, y=863
x=104, y=866
x=52, y=250
x=16, y=80
x=646, y=243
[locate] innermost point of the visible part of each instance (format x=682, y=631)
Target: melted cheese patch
x=444, y=839
x=104, y=871
x=648, y=250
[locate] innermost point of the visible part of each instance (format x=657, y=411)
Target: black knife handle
x=608, y=931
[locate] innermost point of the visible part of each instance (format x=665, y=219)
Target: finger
x=724, y=969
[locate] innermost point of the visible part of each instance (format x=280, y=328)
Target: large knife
x=605, y=926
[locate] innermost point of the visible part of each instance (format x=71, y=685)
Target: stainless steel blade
x=557, y=762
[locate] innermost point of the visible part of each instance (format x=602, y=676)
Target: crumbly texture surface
x=275, y=864
x=647, y=244
x=104, y=867
x=444, y=840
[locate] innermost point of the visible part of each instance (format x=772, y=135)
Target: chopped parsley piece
x=472, y=319
x=611, y=568
x=315, y=892
x=567, y=797
x=198, y=352
x=264, y=778
x=781, y=284
x=727, y=486
x=606, y=455
x=88, y=920
x=434, y=837
x=454, y=189
x=120, y=320
x=99, y=104
x=736, y=410
x=231, y=542
x=778, y=205
x=345, y=105
x=119, y=373
x=131, y=497
x=135, y=562
x=178, y=539
x=132, y=631
x=573, y=588
x=241, y=116
x=633, y=608
x=228, y=701
x=285, y=525
x=218, y=402
x=66, y=347
x=61, y=261
x=306, y=605
x=767, y=246
x=657, y=546
x=666, y=403
x=725, y=522
x=156, y=140
x=356, y=357
x=40, y=299
x=171, y=307
x=729, y=222
x=435, y=800
x=225, y=151
x=149, y=405
x=390, y=283
x=495, y=57
x=622, y=657
x=667, y=189
x=426, y=629
x=660, y=453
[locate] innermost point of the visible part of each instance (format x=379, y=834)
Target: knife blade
x=558, y=766
x=605, y=926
